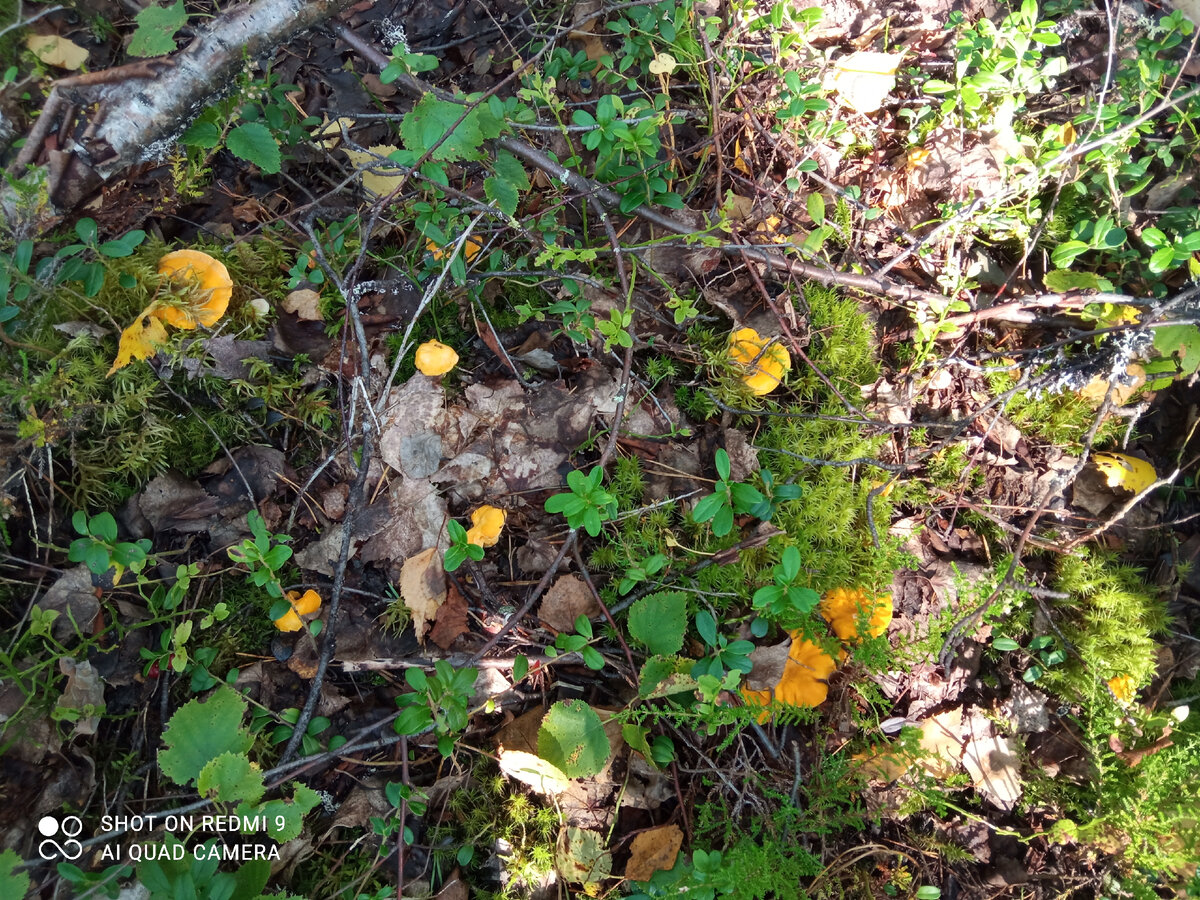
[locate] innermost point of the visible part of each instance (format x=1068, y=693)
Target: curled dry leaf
x=423, y=588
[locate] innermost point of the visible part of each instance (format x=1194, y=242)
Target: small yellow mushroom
x=486, y=524
x=302, y=605
x=206, y=273
x=849, y=609
x=435, y=358
x=765, y=362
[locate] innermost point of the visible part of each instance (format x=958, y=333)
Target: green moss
x=1059, y=419
x=1110, y=620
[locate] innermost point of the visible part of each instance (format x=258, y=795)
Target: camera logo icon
x=50, y=828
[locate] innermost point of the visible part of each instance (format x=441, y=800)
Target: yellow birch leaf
x=384, y=179
x=1124, y=471
x=140, y=340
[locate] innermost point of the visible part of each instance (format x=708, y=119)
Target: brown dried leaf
x=451, y=621
x=567, y=600
x=652, y=851
x=423, y=588
x=305, y=303
x=84, y=691
x=768, y=666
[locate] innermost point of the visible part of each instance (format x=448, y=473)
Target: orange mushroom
x=302, y=605
x=435, y=358
x=486, y=524
x=854, y=613
x=804, y=678
x=205, y=273
x=765, y=361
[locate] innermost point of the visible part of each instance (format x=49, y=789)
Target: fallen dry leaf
x=652, y=851
x=864, y=78
x=452, y=620
x=305, y=303
x=423, y=588
x=543, y=777
x=84, y=694
x=567, y=600
x=992, y=763
x=140, y=340
x=768, y=668
x=56, y=51
x=941, y=739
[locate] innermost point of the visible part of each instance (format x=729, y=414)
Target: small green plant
x=264, y=555
x=642, y=571
x=460, y=549
x=729, y=497
x=15, y=265
x=577, y=643
x=787, y=602
x=310, y=742
x=731, y=655
x=401, y=796
x=438, y=702
x=100, y=550
x=588, y=505
x=1042, y=649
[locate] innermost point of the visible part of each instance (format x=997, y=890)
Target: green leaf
x=658, y=622
x=1066, y=253
x=706, y=625
x=511, y=170
x=520, y=668
x=1005, y=644
x=284, y=818
x=199, y=732
x=1162, y=259
x=254, y=143
x=156, y=27
x=431, y=119
x=1182, y=341
x=1060, y=281
x=816, y=208
x=503, y=194
x=572, y=738
x=231, y=777
x=12, y=883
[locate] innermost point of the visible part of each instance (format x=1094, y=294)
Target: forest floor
x=477, y=449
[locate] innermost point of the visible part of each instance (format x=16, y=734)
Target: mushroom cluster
x=148, y=332
x=853, y=614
